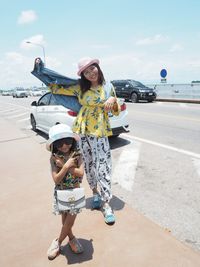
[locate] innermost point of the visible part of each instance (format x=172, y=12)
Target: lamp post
x=28, y=42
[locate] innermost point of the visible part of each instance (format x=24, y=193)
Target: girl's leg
x=70, y=234
x=68, y=222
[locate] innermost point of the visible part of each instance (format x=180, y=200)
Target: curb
x=195, y=101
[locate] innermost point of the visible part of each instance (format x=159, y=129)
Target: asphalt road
x=156, y=166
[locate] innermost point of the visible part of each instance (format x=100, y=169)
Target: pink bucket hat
x=84, y=63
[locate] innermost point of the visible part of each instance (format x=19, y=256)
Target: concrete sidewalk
x=133, y=241
x=28, y=226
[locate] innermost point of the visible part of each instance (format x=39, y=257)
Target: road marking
x=196, y=163
x=8, y=110
x=182, y=151
x=183, y=105
x=26, y=119
x=18, y=115
x=124, y=168
x=15, y=105
x=29, y=127
x=167, y=116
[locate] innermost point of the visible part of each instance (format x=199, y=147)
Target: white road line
x=196, y=163
x=125, y=167
x=8, y=110
x=26, y=119
x=18, y=115
x=183, y=105
x=12, y=111
x=29, y=127
x=15, y=105
x=186, y=152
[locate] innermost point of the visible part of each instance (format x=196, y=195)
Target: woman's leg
x=104, y=168
x=88, y=149
x=68, y=222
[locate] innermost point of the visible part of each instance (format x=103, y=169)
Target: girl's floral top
x=69, y=180
x=92, y=119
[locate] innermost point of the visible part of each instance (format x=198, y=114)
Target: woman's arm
x=60, y=90
x=111, y=102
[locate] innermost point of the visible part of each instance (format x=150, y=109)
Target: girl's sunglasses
x=67, y=141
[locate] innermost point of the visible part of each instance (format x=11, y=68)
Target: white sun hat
x=59, y=131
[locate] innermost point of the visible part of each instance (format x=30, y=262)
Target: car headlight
x=142, y=91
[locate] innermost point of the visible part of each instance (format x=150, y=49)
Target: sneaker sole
x=52, y=258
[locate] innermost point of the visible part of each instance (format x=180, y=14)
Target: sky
x=132, y=39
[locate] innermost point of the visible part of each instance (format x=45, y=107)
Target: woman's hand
x=108, y=105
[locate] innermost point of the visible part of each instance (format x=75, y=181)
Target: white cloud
x=34, y=42
x=176, y=48
x=27, y=16
x=194, y=63
x=157, y=39
x=14, y=58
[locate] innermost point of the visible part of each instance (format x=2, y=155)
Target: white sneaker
x=109, y=216
x=53, y=250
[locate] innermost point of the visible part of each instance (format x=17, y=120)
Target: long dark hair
x=85, y=84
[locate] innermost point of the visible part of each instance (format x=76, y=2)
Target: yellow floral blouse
x=92, y=119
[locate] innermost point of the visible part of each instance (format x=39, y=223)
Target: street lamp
x=28, y=42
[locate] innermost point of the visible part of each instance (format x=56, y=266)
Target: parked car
x=6, y=93
x=37, y=92
x=49, y=110
x=133, y=91
x=20, y=92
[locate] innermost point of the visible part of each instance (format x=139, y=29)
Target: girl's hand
x=58, y=161
x=72, y=162
x=108, y=105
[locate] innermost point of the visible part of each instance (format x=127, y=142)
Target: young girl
x=93, y=126
x=67, y=172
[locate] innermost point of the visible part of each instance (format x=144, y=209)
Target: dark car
x=133, y=90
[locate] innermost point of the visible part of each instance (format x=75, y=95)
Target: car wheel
x=134, y=98
x=33, y=123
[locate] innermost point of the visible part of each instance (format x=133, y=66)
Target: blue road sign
x=163, y=73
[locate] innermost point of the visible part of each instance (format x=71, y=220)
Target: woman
x=92, y=124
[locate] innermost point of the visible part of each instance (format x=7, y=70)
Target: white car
x=37, y=92
x=50, y=110
x=20, y=92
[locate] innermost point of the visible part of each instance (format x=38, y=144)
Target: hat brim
x=60, y=136
x=87, y=65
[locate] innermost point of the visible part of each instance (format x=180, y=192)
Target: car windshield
x=137, y=84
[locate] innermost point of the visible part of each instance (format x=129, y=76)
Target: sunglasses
x=67, y=141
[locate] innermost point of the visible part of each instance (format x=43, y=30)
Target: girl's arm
x=58, y=175
x=79, y=170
